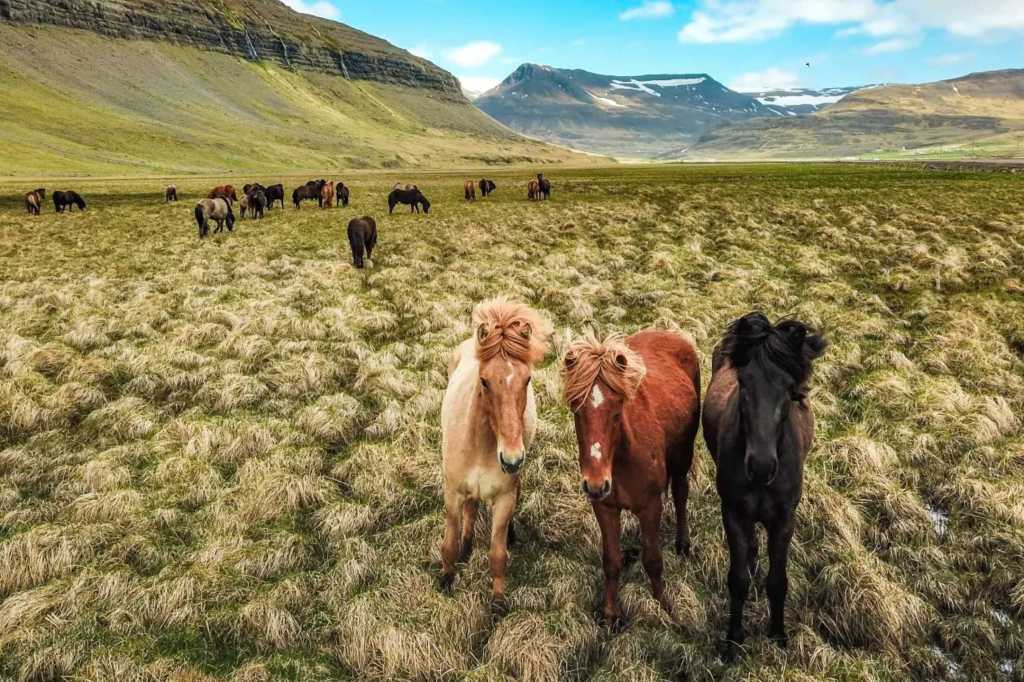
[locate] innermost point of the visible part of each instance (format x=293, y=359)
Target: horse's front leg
x=610, y=521
x=504, y=508
x=453, y=503
x=650, y=527
x=780, y=534
x=469, y=512
x=739, y=530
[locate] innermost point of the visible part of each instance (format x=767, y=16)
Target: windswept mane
x=513, y=330
x=588, y=359
x=789, y=345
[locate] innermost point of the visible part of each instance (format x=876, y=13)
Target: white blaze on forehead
x=511, y=373
x=595, y=451
x=596, y=396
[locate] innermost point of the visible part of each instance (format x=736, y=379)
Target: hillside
x=980, y=114
x=800, y=101
x=130, y=87
x=633, y=116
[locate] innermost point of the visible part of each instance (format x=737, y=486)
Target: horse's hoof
x=445, y=582
x=780, y=639
x=731, y=651
x=683, y=549
x=499, y=606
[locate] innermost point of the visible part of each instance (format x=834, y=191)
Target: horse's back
x=669, y=396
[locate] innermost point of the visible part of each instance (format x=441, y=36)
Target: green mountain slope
x=155, y=101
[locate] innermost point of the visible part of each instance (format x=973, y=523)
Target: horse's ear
x=481, y=332
x=527, y=330
x=621, y=361
x=570, y=360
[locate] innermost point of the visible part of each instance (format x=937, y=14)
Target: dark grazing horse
x=274, y=193
x=487, y=187
x=636, y=404
x=342, y=193
x=410, y=197
x=217, y=210
x=67, y=200
x=34, y=201
x=362, y=237
x=544, y=185
x=311, y=190
x=469, y=189
x=223, y=192
x=248, y=189
x=257, y=202
x=758, y=426
x=170, y=194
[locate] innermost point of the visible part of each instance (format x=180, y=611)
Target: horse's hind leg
x=650, y=527
x=469, y=512
x=679, y=469
x=453, y=503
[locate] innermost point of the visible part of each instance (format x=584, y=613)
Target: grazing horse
x=487, y=187
x=311, y=190
x=533, y=190
x=362, y=237
x=223, y=192
x=170, y=194
x=544, y=185
x=758, y=426
x=327, y=195
x=469, y=189
x=243, y=206
x=275, y=193
x=67, y=200
x=411, y=197
x=249, y=188
x=217, y=210
x=488, y=419
x=636, y=404
x=34, y=200
x=257, y=202
x=342, y=193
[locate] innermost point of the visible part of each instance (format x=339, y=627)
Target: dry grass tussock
x=220, y=460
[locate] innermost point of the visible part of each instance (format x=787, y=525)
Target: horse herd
x=61, y=201
x=637, y=410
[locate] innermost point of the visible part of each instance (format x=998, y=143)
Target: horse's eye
x=487, y=386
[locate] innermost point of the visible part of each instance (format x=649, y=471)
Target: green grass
x=220, y=459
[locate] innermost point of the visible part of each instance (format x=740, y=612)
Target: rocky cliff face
x=251, y=29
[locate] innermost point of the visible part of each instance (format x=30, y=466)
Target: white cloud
x=951, y=59
x=474, y=86
x=735, y=21
x=650, y=9
x=892, y=45
x=473, y=54
x=769, y=79
x=422, y=51
x=320, y=8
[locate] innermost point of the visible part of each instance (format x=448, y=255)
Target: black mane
x=789, y=345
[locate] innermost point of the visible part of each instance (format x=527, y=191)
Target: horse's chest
x=485, y=483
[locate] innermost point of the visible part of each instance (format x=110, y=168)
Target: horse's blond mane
x=511, y=329
x=588, y=359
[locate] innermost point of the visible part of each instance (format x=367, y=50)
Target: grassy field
x=220, y=459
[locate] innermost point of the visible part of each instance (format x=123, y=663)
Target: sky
x=747, y=44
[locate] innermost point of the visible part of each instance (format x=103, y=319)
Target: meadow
x=220, y=460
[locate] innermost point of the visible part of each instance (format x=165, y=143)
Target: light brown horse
x=636, y=404
x=223, y=192
x=469, y=189
x=488, y=419
x=533, y=190
x=34, y=201
x=327, y=195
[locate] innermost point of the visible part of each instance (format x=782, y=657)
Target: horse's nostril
x=606, y=488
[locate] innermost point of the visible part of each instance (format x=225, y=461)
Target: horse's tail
x=200, y=219
x=356, y=239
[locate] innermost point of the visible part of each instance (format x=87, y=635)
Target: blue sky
x=747, y=44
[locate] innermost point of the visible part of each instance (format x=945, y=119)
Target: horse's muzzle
x=513, y=466
x=597, y=494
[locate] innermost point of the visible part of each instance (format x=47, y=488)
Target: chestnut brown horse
x=488, y=419
x=758, y=426
x=469, y=189
x=34, y=201
x=223, y=192
x=533, y=190
x=327, y=195
x=636, y=404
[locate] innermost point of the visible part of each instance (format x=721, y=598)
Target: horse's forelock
x=513, y=330
x=588, y=359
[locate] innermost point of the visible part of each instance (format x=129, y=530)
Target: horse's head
x=423, y=202
x=773, y=364
x=599, y=378
x=511, y=339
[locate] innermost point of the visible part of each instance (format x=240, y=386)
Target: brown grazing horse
x=758, y=426
x=362, y=237
x=636, y=404
x=223, y=192
x=327, y=195
x=170, y=194
x=469, y=189
x=533, y=190
x=34, y=201
x=488, y=419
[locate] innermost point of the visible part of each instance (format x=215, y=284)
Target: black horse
x=341, y=193
x=545, y=186
x=62, y=200
x=250, y=188
x=758, y=426
x=311, y=190
x=410, y=197
x=274, y=193
x=362, y=236
x=257, y=202
x=170, y=194
x=487, y=187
